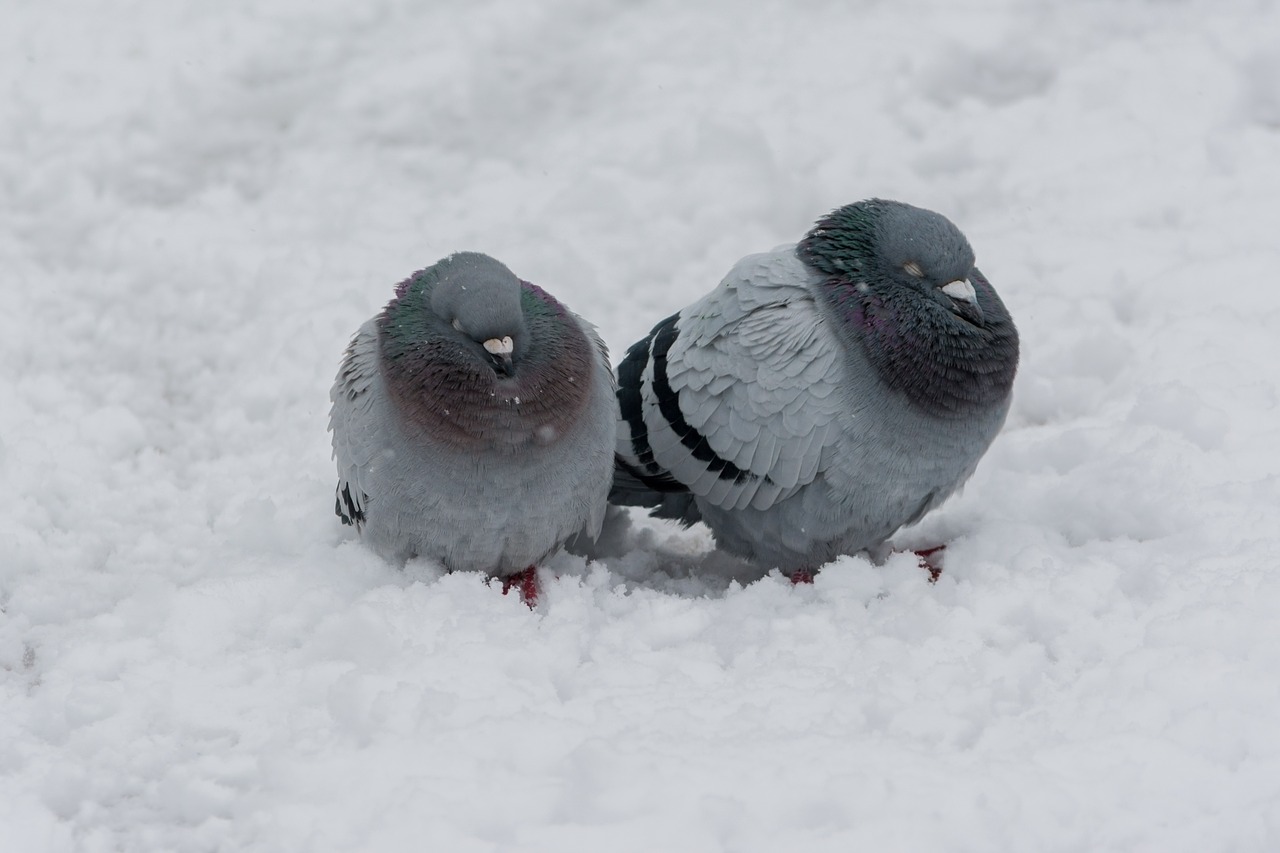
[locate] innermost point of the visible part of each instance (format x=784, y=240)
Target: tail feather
x=638, y=479
x=347, y=508
x=663, y=497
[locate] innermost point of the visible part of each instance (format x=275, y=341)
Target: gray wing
x=351, y=420
x=602, y=396
x=736, y=398
x=601, y=350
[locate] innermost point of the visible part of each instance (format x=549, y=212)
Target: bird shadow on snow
x=643, y=553
x=663, y=556
x=640, y=552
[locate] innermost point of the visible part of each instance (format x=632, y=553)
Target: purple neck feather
x=946, y=367
x=447, y=390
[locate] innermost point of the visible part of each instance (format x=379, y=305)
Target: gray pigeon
x=473, y=422
x=824, y=395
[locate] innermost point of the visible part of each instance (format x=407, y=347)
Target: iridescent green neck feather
x=881, y=265
x=445, y=385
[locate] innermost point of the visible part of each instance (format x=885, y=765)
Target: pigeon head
x=480, y=299
x=887, y=244
x=902, y=283
x=480, y=359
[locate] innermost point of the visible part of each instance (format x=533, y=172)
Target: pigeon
x=473, y=423
x=824, y=395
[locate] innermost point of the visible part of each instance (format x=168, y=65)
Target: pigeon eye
x=913, y=268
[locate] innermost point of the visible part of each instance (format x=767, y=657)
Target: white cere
x=914, y=269
x=498, y=346
x=457, y=325
x=961, y=289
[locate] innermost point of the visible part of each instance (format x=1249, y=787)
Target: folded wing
x=735, y=399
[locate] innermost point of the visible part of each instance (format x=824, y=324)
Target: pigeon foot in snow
x=526, y=582
x=931, y=561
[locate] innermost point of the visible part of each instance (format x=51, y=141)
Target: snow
x=203, y=201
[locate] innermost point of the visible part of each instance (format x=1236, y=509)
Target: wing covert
x=738, y=394
x=352, y=397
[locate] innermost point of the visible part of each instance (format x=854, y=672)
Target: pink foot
x=931, y=561
x=526, y=582
x=801, y=576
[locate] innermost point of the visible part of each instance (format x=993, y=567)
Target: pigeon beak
x=499, y=350
x=964, y=300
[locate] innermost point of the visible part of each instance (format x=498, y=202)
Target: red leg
x=801, y=576
x=527, y=584
x=931, y=561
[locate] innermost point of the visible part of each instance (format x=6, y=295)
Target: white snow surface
x=201, y=203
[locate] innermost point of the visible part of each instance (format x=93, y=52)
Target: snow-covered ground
x=200, y=202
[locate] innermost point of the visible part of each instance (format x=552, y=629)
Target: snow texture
x=201, y=202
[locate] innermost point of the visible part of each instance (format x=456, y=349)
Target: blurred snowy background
x=202, y=201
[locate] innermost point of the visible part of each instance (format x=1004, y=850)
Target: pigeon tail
x=662, y=496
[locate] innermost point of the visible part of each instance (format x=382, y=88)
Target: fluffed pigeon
x=473, y=423
x=824, y=395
